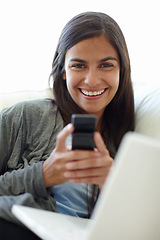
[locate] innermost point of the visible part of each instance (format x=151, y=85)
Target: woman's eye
x=106, y=65
x=78, y=66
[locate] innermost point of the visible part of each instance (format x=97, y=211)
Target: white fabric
x=8, y=99
x=147, y=109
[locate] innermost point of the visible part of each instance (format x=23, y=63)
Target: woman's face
x=92, y=72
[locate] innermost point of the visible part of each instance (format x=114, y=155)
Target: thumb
x=100, y=143
x=61, y=137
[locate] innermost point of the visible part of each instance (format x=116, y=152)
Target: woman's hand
x=90, y=169
x=78, y=166
x=54, y=167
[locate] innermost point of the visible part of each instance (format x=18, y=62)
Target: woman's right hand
x=79, y=166
x=54, y=167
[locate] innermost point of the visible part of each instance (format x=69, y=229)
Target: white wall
x=29, y=31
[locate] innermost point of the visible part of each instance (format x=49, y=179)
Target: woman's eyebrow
x=100, y=61
x=77, y=60
x=107, y=59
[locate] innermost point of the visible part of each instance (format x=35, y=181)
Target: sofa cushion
x=147, y=109
x=8, y=99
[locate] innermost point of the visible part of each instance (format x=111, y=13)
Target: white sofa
x=147, y=105
x=147, y=109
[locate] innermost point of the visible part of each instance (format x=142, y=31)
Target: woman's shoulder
x=31, y=105
x=31, y=109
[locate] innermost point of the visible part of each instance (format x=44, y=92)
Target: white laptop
x=128, y=207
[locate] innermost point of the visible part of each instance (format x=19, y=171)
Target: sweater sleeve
x=25, y=142
x=26, y=180
x=28, y=133
x=12, y=145
x=10, y=137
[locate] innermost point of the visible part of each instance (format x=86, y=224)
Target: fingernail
x=66, y=174
x=98, y=135
x=68, y=165
x=97, y=154
x=69, y=126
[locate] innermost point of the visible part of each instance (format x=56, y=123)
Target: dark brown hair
x=118, y=117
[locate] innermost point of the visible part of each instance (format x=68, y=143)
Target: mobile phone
x=84, y=128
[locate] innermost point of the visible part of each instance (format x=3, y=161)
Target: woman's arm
x=27, y=180
x=21, y=186
x=15, y=137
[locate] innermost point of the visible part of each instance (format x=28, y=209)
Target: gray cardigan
x=28, y=133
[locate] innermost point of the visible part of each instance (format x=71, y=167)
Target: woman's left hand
x=90, y=170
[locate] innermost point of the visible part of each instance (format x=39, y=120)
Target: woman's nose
x=92, y=78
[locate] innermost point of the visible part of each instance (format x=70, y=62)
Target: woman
x=91, y=75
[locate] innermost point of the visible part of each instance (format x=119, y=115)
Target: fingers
x=61, y=138
x=90, y=176
x=90, y=161
x=87, y=173
x=100, y=143
x=79, y=166
x=93, y=167
x=88, y=167
x=93, y=171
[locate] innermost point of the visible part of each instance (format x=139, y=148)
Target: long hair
x=118, y=117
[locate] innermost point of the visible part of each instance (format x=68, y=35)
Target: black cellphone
x=84, y=128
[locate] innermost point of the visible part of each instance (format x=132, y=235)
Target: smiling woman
x=91, y=73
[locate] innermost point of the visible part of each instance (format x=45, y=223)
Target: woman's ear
x=64, y=75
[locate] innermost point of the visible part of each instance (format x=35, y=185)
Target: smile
x=92, y=93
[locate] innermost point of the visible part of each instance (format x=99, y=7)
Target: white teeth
x=85, y=92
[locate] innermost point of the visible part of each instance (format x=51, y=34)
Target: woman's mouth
x=92, y=93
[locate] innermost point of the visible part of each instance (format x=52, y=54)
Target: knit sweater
x=28, y=133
